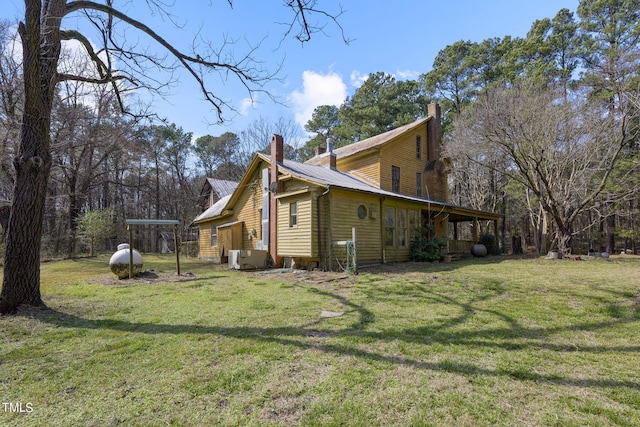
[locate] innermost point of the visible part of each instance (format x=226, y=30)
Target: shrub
x=426, y=246
x=491, y=243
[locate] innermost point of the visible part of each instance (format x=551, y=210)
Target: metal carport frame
x=173, y=222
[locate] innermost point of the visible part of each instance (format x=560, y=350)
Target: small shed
x=168, y=240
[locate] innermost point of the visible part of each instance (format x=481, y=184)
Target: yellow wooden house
x=375, y=193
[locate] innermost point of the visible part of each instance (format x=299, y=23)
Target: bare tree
x=257, y=137
x=563, y=152
x=11, y=102
x=41, y=34
x=87, y=128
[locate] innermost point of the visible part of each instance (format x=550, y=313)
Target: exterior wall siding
x=375, y=166
x=246, y=209
x=365, y=167
x=206, y=250
x=402, y=153
x=323, y=222
x=296, y=241
x=344, y=216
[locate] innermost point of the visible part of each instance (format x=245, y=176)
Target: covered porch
x=465, y=228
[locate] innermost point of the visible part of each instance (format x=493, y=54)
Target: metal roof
x=221, y=186
x=334, y=178
x=216, y=209
x=152, y=221
x=369, y=143
x=311, y=172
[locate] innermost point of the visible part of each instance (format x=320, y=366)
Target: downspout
x=318, y=214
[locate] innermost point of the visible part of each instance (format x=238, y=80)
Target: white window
x=389, y=226
x=413, y=223
x=214, y=235
x=293, y=214
x=402, y=228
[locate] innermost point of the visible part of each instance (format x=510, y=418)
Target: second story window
x=418, y=184
x=427, y=154
x=395, y=179
x=418, y=146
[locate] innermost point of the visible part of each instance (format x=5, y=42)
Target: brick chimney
x=332, y=161
x=434, y=131
x=436, y=169
x=332, y=155
x=277, y=157
x=277, y=148
x=328, y=158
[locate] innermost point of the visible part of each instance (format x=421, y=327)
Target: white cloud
x=248, y=104
x=317, y=89
x=408, y=74
x=357, y=78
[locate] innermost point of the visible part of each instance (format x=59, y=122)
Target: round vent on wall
x=362, y=212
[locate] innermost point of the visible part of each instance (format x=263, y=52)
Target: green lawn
x=472, y=343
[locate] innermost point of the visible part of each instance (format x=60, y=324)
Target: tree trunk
x=563, y=238
x=41, y=50
x=611, y=233
x=516, y=244
x=21, y=283
x=74, y=213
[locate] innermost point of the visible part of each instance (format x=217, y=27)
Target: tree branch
x=246, y=75
x=301, y=10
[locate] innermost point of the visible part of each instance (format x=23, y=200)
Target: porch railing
x=460, y=246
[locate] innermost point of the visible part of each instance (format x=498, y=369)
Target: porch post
x=177, y=248
x=130, y=229
x=475, y=230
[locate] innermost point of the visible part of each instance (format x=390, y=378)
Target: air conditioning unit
x=247, y=259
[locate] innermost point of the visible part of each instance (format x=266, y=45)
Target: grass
x=472, y=343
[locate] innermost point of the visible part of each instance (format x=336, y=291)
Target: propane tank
x=119, y=262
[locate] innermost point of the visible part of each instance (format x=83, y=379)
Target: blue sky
x=400, y=37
